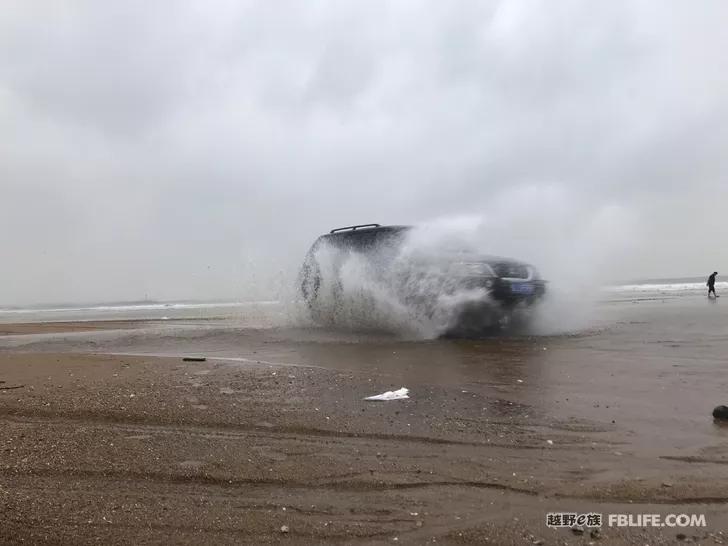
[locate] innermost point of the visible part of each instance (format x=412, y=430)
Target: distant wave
x=135, y=307
x=666, y=287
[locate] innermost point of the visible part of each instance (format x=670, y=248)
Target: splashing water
x=579, y=246
x=408, y=286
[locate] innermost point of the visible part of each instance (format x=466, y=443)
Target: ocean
x=648, y=289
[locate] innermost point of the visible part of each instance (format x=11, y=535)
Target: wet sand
x=270, y=440
x=23, y=328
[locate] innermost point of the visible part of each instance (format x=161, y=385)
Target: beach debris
x=399, y=394
x=11, y=387
x=577, y=530
x=720, y=412
x=550, y=442
x=194, y=359
x=284, y=528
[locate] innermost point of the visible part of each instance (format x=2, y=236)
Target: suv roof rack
x=354, y=228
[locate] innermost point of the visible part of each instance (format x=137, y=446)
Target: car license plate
x=522, y=288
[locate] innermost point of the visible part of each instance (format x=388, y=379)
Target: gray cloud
x=181, y=150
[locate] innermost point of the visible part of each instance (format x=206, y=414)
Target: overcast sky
x=180, y=149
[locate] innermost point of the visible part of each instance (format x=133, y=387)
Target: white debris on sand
x=390, y=395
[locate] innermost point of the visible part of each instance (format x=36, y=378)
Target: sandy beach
x=110, y=437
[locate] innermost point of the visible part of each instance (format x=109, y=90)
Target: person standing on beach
x=711, y=284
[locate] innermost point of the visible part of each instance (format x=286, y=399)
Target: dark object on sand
x=10, y=388
x=720, y=412
x=194, y=359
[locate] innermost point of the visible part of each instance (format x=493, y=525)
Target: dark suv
x=420, y=276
